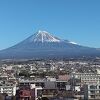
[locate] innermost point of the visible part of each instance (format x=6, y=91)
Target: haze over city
x=74, y=20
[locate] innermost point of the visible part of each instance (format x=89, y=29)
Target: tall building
x=92, y=91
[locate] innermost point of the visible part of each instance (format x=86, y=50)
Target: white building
x=87, y=78
x=92, y=92
x=10, y=90
x=37, y=89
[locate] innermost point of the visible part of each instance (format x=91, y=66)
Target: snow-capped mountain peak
x=43, y=36
x=43, y=45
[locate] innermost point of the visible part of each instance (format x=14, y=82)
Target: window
x=93, y=87
x=92, y=96
x=92, y=92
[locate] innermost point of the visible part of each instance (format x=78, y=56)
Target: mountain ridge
x=44, y=45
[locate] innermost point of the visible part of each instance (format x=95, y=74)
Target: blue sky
x=75, y=20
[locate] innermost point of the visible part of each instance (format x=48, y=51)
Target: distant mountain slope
x=44, y=45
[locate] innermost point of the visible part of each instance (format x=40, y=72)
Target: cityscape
x=70, y=79
x=49, y=50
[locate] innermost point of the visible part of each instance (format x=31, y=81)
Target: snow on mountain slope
x=72, y=42
x=43, y=36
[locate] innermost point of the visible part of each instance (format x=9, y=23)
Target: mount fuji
x=43, y=45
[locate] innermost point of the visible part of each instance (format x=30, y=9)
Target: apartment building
x=92, y=91
x=9, y=89
x=87, y=78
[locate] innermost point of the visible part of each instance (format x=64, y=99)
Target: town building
x=8, y=89
x=87, y=78
x=92, y=91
